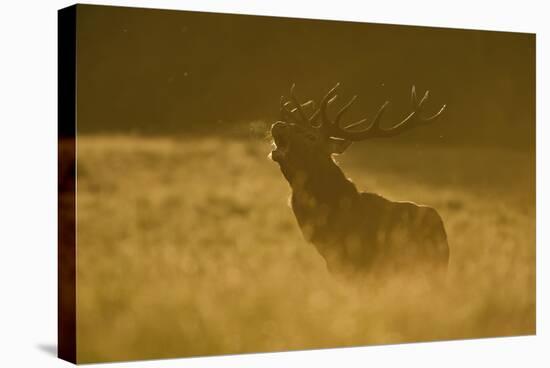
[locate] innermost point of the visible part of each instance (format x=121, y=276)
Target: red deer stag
x=357, y=233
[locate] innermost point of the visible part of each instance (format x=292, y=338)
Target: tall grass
x=188, y=247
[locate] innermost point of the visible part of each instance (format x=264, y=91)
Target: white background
x=28, y=166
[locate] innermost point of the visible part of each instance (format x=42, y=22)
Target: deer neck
x=322, y=187
x=319, y=194
x=322, y=199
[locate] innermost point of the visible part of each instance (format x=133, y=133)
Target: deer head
x=307, y=137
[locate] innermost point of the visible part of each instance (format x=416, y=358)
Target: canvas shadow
x=50, y=349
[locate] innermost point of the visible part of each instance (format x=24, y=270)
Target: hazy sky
x=155, y=71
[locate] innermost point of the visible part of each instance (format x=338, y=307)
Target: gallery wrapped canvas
x=234, y=184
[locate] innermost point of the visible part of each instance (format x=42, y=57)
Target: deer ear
x=338, y=146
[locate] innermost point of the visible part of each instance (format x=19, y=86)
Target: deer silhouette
x=357, y=233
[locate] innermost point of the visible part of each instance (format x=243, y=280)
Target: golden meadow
x=187, y=246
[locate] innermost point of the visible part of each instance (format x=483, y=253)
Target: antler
x=289, y=115
x=374, y=130
x=293, y=111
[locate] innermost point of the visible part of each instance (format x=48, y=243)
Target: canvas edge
x=66, y=64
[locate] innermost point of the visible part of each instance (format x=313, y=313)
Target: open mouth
x=280, y=141
x=281, y=146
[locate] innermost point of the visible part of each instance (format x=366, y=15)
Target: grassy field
x=188, y=247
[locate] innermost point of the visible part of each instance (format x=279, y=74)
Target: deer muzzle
x=280, y=134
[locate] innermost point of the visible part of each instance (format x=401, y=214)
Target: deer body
x=357, y=233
